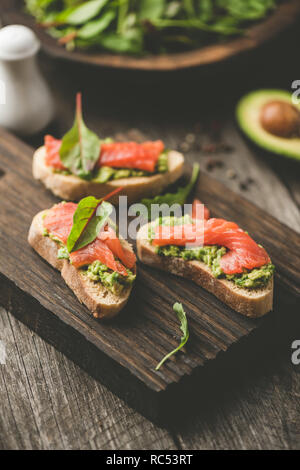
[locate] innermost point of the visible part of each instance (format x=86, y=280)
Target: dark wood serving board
x=281, y=18
x=123, y=354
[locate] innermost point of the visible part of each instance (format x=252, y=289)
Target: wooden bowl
x=282, y=17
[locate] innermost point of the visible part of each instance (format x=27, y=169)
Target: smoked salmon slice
x=97, y=250
x=52, y=158
x=112, y=241
x=115, y=154
x=197, y=209
x=244, y=252
x=131, y=155
x=59, y=220
x=177, y=235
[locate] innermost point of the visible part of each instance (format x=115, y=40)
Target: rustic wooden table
x=47, y=402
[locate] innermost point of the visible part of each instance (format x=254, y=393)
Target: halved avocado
x=248, y=114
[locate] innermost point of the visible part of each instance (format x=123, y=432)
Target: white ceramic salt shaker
x=26, y=104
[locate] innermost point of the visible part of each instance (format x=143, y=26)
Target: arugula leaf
x=80, y=147
x=178, y=308
x=174, y=198
x=86, y=224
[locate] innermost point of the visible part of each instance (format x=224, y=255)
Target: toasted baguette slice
x=70, y=187
x=98, y=299
x=250, y=302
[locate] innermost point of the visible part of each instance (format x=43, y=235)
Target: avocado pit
x=280, y=118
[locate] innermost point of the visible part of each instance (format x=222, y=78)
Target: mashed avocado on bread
x=108, y=173
x=97, y=271
x=112, y=280
x=211, y=255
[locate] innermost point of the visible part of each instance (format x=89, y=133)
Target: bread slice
x=70, y=187
x=98, y=299
x=250, y=302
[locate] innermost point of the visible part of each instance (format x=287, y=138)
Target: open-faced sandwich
x=224, y=259
x=79, y=241
x=83, y=165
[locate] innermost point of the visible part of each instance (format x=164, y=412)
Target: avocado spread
x=62, y=252
x=211, y=255
x=107, y=173
x=97, y=271
x=112, y=280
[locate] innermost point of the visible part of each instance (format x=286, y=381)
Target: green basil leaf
x=174, y=198
x=87, y=222
x=85, y=12
x=80, y=148
x=181, y=315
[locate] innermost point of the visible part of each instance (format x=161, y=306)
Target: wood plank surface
x=268, y=401
x=58, y=406
x=47, y=402
x=262, y=410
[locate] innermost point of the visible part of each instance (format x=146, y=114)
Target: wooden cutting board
x=123, y=354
